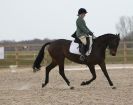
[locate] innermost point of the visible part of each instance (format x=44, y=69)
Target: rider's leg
x=83, y=47
x=88, y=44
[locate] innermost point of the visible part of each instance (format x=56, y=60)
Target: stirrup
x=82, y=58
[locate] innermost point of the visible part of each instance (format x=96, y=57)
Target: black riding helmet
x=82, y=10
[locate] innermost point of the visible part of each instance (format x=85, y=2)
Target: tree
x=125, y=26
x=129, y=36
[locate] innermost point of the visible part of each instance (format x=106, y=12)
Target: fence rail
x=24, y=55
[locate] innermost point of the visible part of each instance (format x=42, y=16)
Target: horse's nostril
x=113, y=53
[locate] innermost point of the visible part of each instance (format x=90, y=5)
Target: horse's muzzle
x=112, y=52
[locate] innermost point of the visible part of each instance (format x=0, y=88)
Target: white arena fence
x=23, y=55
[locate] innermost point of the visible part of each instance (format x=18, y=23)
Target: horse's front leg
x=103, y=67
x=93, y=72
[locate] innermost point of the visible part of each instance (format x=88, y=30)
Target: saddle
x=77, y=40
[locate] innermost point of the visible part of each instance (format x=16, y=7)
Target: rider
x=82, y=32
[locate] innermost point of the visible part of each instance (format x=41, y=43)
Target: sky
x=56, y=19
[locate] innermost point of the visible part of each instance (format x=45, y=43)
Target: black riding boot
x=82, y=49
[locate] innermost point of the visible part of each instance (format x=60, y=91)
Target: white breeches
x=83, y=39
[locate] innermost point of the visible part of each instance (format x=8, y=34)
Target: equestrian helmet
x=82, y=10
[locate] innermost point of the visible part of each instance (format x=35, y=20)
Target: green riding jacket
x=82, y=29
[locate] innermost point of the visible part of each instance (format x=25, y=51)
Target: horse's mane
x=105, y=36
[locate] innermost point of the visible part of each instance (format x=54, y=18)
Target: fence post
x=34, y=56
x=125, y=53
x=16, y=55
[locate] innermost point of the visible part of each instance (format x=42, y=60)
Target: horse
x=59, y=50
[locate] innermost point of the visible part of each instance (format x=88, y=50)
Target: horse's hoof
x=72, y=88
x=43, y=85
x=83, y=83
x=113, y=87
x=68, y=84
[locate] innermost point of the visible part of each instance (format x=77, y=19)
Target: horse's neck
x=102, y=40
x=100, y=46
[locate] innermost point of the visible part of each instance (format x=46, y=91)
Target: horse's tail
x=39, y=58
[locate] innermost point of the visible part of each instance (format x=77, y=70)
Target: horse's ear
x=118, y=35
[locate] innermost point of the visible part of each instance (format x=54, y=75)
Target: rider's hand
x=93, y=37
x=91, y=33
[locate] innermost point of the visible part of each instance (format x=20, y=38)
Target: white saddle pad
x=74, y=48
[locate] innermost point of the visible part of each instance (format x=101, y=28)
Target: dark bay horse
x=59, y=50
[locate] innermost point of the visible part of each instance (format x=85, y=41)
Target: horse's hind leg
x=61, y=71
x=93, y=72
x=48, y=69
